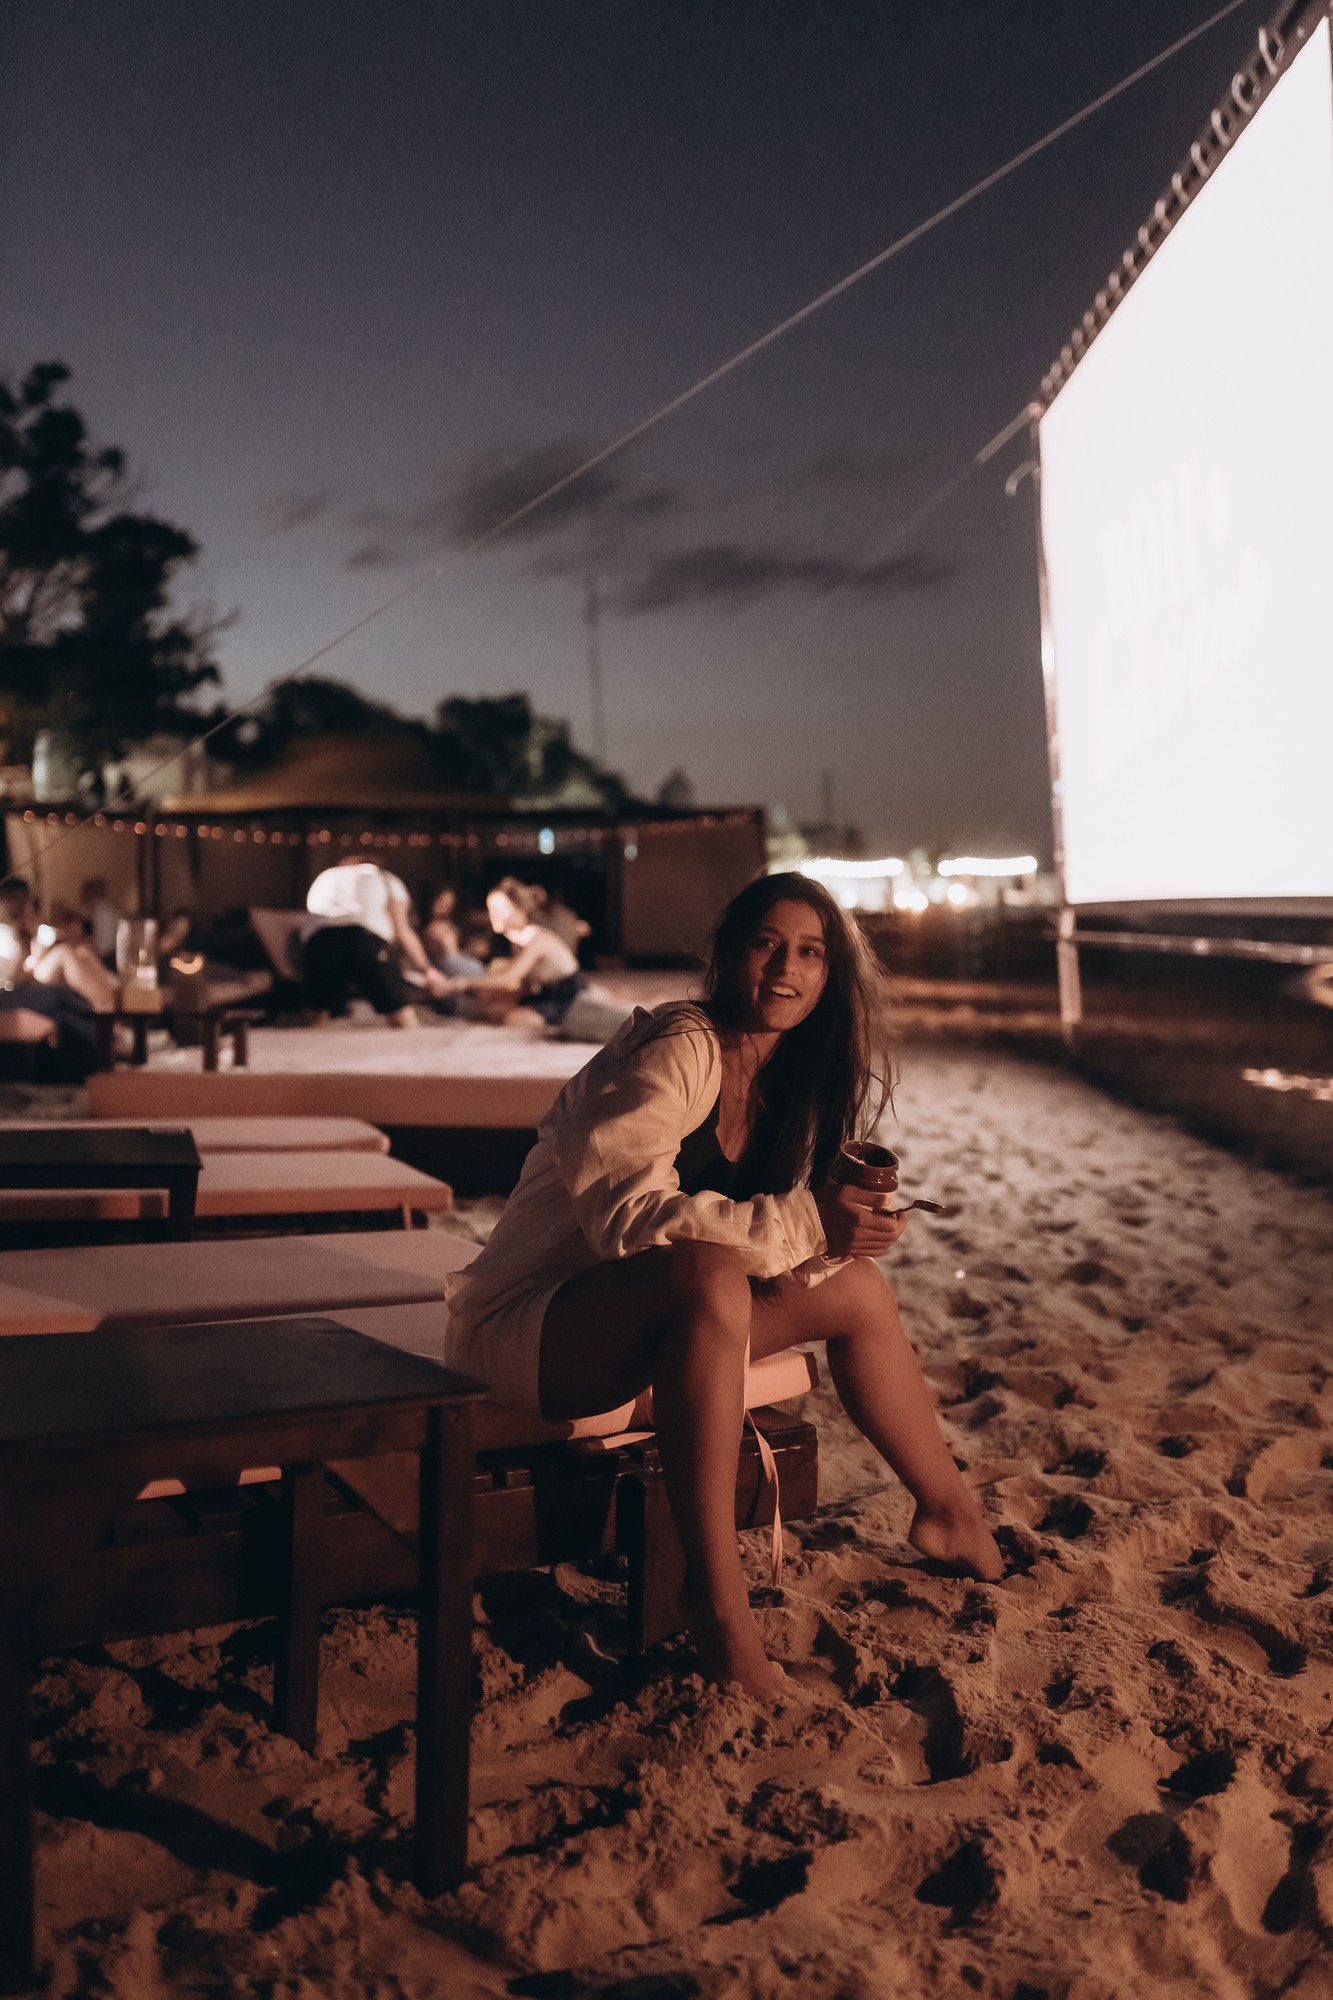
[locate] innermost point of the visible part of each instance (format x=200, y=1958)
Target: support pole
x=1067, y=973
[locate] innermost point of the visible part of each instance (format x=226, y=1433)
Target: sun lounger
x=472, y=1131
x=123, y=1284
x=257, y=1186
x=239, y=1135
x=487, y=1103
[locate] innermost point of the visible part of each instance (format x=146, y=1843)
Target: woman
x=677, y=1214
x=542, y=975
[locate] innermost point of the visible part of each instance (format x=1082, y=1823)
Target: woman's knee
x=862, y=1296
x=705, y=1281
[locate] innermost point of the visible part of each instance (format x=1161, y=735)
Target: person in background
x=358, y=932
x=542, y=974
x=62, y=956
x=554, y=913
x=52, y=970
x=100, y=917
x=440, y=936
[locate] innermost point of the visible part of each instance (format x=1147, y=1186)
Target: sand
x=1111, y=1774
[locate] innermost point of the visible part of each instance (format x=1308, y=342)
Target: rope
x=443, y=566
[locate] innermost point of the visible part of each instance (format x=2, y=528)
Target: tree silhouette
x=88, y=643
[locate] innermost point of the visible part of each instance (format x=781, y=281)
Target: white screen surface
x=1187, y=529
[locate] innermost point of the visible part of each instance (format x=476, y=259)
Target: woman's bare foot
x=958, y=1536
x=730, y=1649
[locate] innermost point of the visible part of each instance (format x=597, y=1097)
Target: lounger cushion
x=124, y=1284
x=254, y=1184
x=452, y=1102
x=236, y=1135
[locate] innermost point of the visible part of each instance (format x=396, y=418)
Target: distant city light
x=824, y=866
x=912, y=900
x=956, y=894
x=976, y=864
x=546, y=841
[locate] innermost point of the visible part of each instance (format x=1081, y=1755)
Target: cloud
x=853, y=469
x=286, y=511
x=491, y=491
x=495, y=488
x=726, y=576
x=372, y=555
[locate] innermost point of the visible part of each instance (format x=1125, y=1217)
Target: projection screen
x=1187, y=532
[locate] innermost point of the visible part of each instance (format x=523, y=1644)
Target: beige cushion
x=493, y=1102
x=255, y=1184
x=235, y=1135
x=121, y=1284
x=300, y=1183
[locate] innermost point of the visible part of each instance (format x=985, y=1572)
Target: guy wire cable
x=447, y=565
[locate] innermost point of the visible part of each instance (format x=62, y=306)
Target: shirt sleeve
x=616, y=1148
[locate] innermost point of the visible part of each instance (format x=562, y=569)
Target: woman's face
x=784, y=968
x=504, y=915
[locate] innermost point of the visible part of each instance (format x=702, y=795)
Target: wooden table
x=211, y=1024
x=86, y=1420
x=82, y=1156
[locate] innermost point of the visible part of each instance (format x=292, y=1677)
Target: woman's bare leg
x=678, y=1317
x=881, y=1387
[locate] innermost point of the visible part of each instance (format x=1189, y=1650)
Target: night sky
x=344, y=279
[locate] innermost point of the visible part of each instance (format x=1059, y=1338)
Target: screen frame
x=1281, y=42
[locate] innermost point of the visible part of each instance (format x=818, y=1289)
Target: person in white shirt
x=678, y=1215
x=357, y=933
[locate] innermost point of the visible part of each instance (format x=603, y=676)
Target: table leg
x=182, y=1198
x=296, y=1668
x=240, y=1044
x=139, y=1029
x=444, y=1651
x=208, y=1040
x=16, y=1902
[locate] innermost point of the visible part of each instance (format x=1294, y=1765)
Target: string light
x=537, y=840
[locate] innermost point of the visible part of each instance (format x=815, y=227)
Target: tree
x=306, y=706
x=88, y=643
x=494, y=743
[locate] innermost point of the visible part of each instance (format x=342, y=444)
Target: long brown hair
x=830, y=1078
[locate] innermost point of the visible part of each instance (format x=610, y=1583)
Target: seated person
x=357, y=934
x=101, y=918
x=62, y=956
x=440, y=936
x=554, y=914
x=541, y=977
x=55, y=978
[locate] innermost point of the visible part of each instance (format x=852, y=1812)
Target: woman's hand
x=853, y=1230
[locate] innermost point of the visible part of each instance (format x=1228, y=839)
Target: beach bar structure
x=648, y=883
